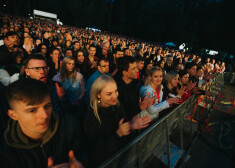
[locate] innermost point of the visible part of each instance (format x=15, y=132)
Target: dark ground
x=213, y=147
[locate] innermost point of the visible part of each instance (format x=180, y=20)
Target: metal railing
x=156, y=139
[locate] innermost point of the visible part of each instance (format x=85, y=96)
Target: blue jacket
x=153, y=110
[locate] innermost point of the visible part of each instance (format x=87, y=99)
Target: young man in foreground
x=36, y=136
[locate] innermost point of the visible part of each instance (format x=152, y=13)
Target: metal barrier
x=156, y=139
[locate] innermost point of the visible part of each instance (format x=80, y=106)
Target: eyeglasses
x=37, y=69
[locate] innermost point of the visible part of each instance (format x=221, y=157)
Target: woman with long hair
x=153, y=87
x=82, y=67
x=184, y=82
x=71, y=80
x=171, y=86
x=104, y=124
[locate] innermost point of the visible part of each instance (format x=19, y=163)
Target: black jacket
x=102, y=139
x=17, y=150
x=128, y=97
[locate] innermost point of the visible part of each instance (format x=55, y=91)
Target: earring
x=98, y=100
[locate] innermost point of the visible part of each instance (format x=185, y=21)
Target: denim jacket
x=153, y=110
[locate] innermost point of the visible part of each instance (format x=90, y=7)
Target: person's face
x=70, y=65
x=40, y=74
x=118, y=54
x=69, y=53
x=44, y=49
x=156, y=78
x=164, y=59
x=26, y=30
x=199, y=73
x=33, y=119
x=80, y=57
x=162, y=64
x=175, y=81
x=185, y=79
x=14, y=39
x=106, y=46
x=92, y=51
x=104, y=67
x=68, y=43
x=55, y=43
x=16, y=28
x=159, y=52
x=127, y=52
x=108, y=95
x=55, y=56
x=149, y=66
x=170, y=61
x=180, y=61
x=132, y=71
x=104, y=51
x=38, y=41
x=140, y=65
x=76, y=46
x=192, y=71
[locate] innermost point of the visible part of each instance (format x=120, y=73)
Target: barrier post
x=181, y=130
x=197, y=97
x=140, y=156
x=168, y=143
x=191, y=118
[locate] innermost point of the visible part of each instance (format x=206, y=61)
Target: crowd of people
x=74, y=97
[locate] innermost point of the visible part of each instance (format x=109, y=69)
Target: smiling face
x=156, y=78
x=33, y=119
x=108, y=95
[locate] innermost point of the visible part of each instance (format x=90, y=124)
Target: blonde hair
x=64, y=74
x=169, y=76
x=96, y=89
x=150, y=74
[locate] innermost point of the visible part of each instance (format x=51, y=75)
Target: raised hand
x=60, y=90
x=146, y=102
x=73, y=162
x=8, y=44
x=124, y=128
x=139, y=123
x=191, y=85
x=181, y=91
x=28, y=44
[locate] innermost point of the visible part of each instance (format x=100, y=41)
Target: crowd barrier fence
x=156, y=139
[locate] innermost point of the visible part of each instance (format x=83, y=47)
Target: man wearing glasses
x=103, y=69
x=36, y=68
